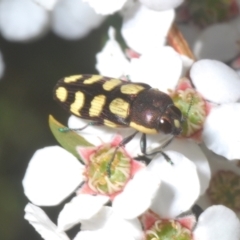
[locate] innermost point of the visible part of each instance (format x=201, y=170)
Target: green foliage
x=67, y=139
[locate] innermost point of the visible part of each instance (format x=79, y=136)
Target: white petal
x=217, y=222
x=52, y=175
x=47, y=4
x=110, y=221
x=154, y=67
x=92, y=235
x=180, y=186
x=194, y=153
x=42, y=224
x=2, y=65
x=144, y=28
x=21, y=20
x=221, y=130
x=161, y=5
x=216, y=81
x=106, y=6
x=219, y=41
x=99, y=220
x=104, y=234
x=74, y=19
x=111, y=61
x=137, y=195
x=81, y=207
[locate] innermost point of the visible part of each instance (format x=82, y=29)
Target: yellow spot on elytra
x=111, y=84
x=110, y=124
x=119, y=107
x=77, y=105
x=92, y=79
x=61, y=94
x=131, y=88
x=73, y=78
x=97, y=105
x=143, y=129
x=177, y=123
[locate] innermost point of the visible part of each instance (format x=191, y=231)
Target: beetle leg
x=143, y=147
x=167, y=158
x=145, y=157
x=121, y=144
x=143, y=143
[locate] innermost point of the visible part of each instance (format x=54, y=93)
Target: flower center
x=168, y=230
x=97, y=170
x=206, y=12
x=224, y=189
x=193, y=108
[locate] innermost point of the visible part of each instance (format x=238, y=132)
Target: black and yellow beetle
x=117, y=103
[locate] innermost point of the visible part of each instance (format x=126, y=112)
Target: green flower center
x=193, y=108
x=224, y=189
x=168, y=230
x=97, y=171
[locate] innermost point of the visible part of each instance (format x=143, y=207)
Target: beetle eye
x=165, y=126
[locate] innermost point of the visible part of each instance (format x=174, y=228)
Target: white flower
x=21, y=20
x=219, y=84
x=110, y=7
x=154, y=67
x=53, y=174
x=74, y=19
x=100, y=134
x=145, y=29
x=161, y=4
x=106, y=6
x=177, y=192
x=103, y=226
x=217, y=222
x=189, y=149
x=144, y=68
x=111, y=61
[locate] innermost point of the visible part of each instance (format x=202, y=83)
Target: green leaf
x=67, y=139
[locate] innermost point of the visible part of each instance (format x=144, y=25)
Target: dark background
x=32, y=70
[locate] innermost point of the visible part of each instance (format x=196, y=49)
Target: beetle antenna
x=66, y=129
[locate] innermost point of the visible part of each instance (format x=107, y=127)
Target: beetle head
x=171, y=121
